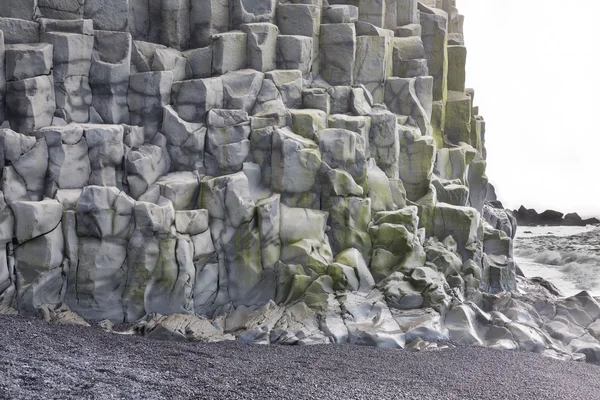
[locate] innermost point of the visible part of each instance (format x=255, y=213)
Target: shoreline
x=565, y=256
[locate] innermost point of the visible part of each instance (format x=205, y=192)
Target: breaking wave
x=582, y=268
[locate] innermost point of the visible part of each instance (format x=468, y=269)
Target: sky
x=535, y=68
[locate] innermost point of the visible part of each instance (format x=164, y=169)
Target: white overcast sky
x=535, y=68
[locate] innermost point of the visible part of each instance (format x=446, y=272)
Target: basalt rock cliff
x=279, y=171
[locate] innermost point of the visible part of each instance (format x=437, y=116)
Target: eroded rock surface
x=274, y=172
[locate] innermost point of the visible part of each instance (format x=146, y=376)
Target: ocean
x=568, y=257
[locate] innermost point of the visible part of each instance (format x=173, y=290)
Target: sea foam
x=580, y=267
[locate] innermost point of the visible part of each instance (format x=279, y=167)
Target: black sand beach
x=42, y=361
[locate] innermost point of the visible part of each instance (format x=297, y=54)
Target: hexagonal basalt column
x=194, y=98
x=301, y=20
x=109, y=75
x=337, y=53
x=72, y=61
x=32, y=103
x=207, y=18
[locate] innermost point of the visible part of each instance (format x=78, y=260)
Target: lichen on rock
x=283, y=173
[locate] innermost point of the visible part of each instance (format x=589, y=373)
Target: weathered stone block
x=175, y=23
x=417, y=155
x=109, y=15
x=308, y=123
x=18, y=31
x=402, y=98
x=69, y=163
x=80, y=26
x=316, y=98
x=295, y=52
x=372, y=11
x=148, y=93
x=22, y=9
x=32, y=103
x=229, y=51
x=289, y=83
x=458, y=117
x=109, y=75
x=337, y=53
x=27, y=60
x=171, y=60
x=194, y=98
x=200, y=62
x=340, y=14
x=64, y=9
x=295, y=162
x=302, y=20
x=407, y=12
x=373, y=64
x=435, y=42
x=241, y=89
x=207, y=18
x=261, y=46
x=185, y=141
x=2, y=78
x=72, y=54
x=457, y=60
x=251, y=11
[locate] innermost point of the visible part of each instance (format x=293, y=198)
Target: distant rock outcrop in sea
x=530, y=217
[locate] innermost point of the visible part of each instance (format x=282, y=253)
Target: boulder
x=179, y=327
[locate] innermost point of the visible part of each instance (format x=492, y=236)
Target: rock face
x=298, y=173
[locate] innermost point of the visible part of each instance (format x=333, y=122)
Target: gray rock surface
x=275, y=173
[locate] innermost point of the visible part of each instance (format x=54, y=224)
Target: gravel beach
x=43, y=361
